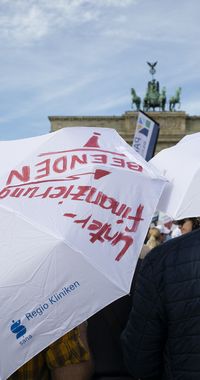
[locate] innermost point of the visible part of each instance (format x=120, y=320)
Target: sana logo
x=18, y=329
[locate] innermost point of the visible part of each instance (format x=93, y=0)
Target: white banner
x=146, y=135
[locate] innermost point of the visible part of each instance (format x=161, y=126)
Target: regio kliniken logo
x=20, y=330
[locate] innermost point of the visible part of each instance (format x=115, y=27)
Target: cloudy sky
x=81, y=57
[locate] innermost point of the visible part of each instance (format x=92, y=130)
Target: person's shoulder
x=191, y=239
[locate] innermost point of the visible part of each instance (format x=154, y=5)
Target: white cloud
x=28, y=21
x=116, y=3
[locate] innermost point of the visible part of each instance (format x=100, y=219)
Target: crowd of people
x=159, y=326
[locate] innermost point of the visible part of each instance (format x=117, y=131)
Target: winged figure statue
x=152, y=67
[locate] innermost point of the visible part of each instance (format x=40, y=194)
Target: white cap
x=163, y=229
x=165, y=219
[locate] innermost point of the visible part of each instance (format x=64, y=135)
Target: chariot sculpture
x=154, y=98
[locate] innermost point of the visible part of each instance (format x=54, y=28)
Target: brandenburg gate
x=174, y=124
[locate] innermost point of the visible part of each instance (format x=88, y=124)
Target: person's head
x=164, y=232
x=188, y=224
x=153, y=237
x=154, y=232
x=166, y=221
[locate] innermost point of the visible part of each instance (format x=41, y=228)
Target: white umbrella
x=75, y=206
x=180, y=164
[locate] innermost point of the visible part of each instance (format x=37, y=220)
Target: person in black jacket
x=162, y=337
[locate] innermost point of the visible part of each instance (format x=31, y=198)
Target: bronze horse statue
x=135, y=100
x=175, y=100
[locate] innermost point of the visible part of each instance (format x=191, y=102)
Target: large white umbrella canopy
x=180, y=164
x=75, y=206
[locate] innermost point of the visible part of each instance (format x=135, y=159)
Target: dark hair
x=195, y=222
